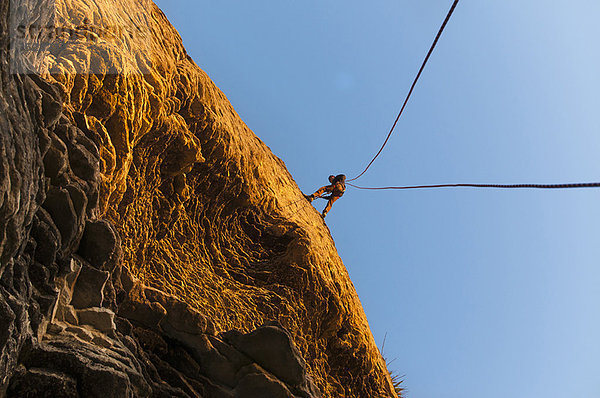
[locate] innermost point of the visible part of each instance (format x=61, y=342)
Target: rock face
x=150, y=243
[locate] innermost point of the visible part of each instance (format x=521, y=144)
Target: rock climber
x=335, y=191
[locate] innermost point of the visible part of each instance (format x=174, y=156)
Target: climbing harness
x=439, y=34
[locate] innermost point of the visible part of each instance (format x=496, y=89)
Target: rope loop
x=437, y=38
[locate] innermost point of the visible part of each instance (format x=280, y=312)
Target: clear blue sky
x=482, y=293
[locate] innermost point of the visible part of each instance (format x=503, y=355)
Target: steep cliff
x=151, y=244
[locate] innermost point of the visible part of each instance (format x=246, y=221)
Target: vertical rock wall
x=150, y=241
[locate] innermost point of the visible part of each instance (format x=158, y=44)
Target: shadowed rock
x=272, y=348
x=89, y=288
x=42, y=383
x=101, y=319
x=99, y=244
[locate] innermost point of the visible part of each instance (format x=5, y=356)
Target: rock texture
x=150, y=243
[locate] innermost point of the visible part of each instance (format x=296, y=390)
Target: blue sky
x=482, y=293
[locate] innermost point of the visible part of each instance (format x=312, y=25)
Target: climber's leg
x=330, y=203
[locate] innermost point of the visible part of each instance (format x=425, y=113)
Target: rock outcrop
x=150, y=243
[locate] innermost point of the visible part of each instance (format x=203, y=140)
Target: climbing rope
x=509, y=186
x=439, y=34
x=502, y=186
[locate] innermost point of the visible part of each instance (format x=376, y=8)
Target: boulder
x=88, y=290
x=60, y=207
x=66, y=283
x=272, y=348
x=55, y=162
x=99, y=244
x=47, y=238
x=144, y=313
x=101, y=319
x=83, y=163
x=67, y=314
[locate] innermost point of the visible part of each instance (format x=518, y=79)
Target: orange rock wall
x=204, y=210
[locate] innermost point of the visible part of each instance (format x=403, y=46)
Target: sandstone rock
x=47, y=238
x=79, y=200
x=20, y=182
x=88, y=291
x=14, y=317
x=185, y=151
x=102, y=341
x=84, y=141
x=272, y=348
x=39, y=276
x=191, y=201
x=66, y=313
x=51, y=108
x=217, y=360
x=83, y=333
x=66, y=283
x=181, y=317
x=57, y=327
x=82, y=162
x=55, y=162
x=60, y=207
x=98, y=244
x=144, y=313
x=8, y=316
x=52, y=99
x=97, y=374
x=42, y=383
x=100, y=318
x=46, y=302
x=128, y=281
x=257, y=383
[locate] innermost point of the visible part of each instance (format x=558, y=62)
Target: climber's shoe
x=310, y=198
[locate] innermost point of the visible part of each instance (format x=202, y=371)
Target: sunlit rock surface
x=150, y=243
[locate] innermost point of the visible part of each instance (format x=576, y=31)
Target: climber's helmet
x=339, y=178
x=331, y=178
